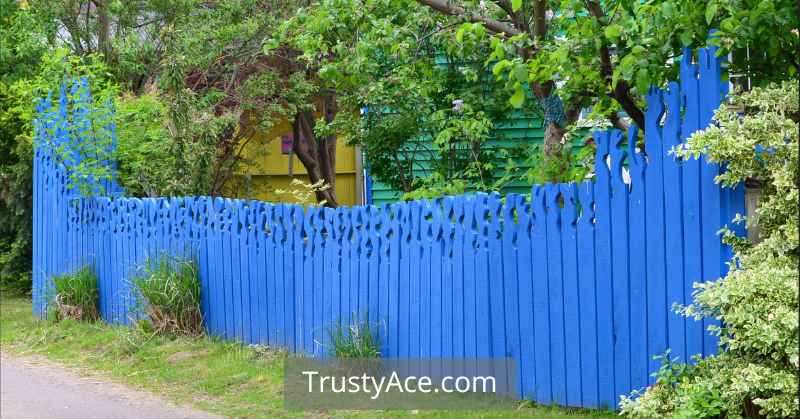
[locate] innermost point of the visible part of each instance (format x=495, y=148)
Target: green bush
x=75, y=296
x=755, y=373
x=170, y=288
x=357, y=340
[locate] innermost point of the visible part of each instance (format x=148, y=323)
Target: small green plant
x=357, y=340
x=170, y=288
x=75, y=296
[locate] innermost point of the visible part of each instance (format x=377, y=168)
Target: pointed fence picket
x=575, y=281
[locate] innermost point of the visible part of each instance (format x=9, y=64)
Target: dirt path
x=32, y=387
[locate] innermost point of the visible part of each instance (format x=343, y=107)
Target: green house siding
x=520, y=129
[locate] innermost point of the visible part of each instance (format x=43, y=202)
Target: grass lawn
x=220, y=377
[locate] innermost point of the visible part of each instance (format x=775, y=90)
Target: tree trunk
x=553, y=135
x=104, y=28
x=318, y=157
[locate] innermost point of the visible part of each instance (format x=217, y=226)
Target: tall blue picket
x=575, y=282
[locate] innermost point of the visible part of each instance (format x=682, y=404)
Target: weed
x=356, y=340
x=171, y=290
x=75, y=296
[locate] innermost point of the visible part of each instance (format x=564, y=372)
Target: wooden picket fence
x=575, y=281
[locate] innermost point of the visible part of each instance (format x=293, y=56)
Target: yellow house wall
x=267, y=169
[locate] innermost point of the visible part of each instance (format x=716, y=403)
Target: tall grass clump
x=170, y=288
x=357, y=340
x=76, y=296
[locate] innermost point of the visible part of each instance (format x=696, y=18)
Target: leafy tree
x=421, y=106
x=604, y=54
x=20, y=52
x=201, y=73
x=756, y=369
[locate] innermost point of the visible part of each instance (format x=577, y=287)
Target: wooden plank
x=541, y=298
x=555, y=294
x=459, y=281
x=471, y=336
x=437, y=289
x=495, y=282
x=330, y=277
x=637, y=251
x=603, y=268
x=295, y=230
x=587, y=294
x=571, y=287
x=673, y=224
x=260, y=276
x=511, y=232
x=425, y=285
x=319, y=328
x=241, y=264
x=448, y=283
x=692, y=215
x=620, y=277
x=710, y=95
x=657, y=303
x=394, y=292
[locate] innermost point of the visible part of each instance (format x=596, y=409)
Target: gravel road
x=32, y=387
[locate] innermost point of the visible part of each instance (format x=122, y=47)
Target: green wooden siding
x=520, y=129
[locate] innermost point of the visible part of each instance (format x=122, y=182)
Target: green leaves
x=516, y=5
x=500, y=67
x=711, y=11
x=518, y=98
x=613, y=32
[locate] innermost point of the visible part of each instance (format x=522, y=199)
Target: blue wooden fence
x=575, y=281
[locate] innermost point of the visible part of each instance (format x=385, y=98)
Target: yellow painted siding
x=267, y=169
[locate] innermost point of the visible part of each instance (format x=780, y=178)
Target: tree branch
x=621, y=92
x=455, y=10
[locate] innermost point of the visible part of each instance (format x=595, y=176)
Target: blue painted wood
x=710, y=96
x=448, y=285
x=541, y=299
x=424, y=306
x=511, y=290
x=495, y=282
x=393, y=316
x=574, y=283
x=384, y=260
x=318, y=277
x=620, y=265
x=605, y=300
x=673, y=225
x=459, y=281
x=555, y=294
x=571, y=290
x=526, y=277
x=470, y=284
x=692, y=216
x=637, y=233
x=657, y=303
x=587, y=294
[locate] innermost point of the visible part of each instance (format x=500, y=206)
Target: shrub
x=755, y=373
x=357, y=340
x=76, y=296
x=170, y=288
